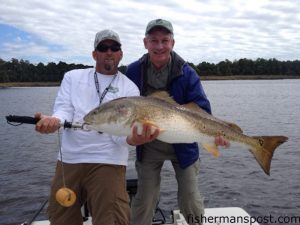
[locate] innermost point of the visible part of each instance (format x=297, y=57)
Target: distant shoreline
x=250, y=77
x=29, y=84
x=203, y=78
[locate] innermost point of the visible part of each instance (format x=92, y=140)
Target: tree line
x=23, y=71
x=244, y=66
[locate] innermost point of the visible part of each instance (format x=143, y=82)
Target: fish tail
x=264, y=153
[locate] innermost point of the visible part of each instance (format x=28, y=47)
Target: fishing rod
x=19, y=120
x=36, y=214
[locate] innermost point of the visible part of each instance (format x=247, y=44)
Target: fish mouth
x=84, y=125
x=87, y=127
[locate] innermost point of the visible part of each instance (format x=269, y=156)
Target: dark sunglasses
x=104, y=48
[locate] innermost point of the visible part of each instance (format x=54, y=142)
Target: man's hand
x=46, y=124
x=222, y=141
x=146, y=136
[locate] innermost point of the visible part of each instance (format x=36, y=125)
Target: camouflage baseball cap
x=159, y=23
x=106, y=35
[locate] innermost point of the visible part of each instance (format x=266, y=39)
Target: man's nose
x=160, y=45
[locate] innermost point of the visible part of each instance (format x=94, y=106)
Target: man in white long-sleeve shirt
x=94, y=164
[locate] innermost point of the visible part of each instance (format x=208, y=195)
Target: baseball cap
x=159, y=23
x=106, y=35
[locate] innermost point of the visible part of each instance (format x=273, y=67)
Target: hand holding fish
x=46, y=124
x=147, y=135
x=220, y=141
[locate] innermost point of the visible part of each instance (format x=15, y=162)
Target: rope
x=61, y=159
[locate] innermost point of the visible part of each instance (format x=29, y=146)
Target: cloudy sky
x=205, y=30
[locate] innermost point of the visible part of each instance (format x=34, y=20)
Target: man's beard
x=109, y=65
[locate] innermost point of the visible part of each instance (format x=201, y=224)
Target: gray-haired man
x=162, y=69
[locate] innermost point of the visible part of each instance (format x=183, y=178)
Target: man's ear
x=145, y=43
x=94, y=54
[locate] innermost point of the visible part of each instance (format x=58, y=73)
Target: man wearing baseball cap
x=159, y=23
x=93, y=164
x=163, y=69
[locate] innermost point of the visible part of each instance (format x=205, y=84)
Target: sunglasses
x=104, y=48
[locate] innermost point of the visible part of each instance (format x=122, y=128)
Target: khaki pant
x=102, y=186
x=189, y=199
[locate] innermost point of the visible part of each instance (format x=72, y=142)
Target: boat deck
x=213, y=216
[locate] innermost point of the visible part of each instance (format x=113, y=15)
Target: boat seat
x=131, y=181
x=131, y=186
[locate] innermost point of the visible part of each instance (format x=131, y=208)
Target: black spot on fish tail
x=261, y=141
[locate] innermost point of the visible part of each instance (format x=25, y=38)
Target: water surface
x=234, y=179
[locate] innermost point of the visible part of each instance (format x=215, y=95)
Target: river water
x=265, y=107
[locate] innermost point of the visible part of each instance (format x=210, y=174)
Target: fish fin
x=194, y=107
x=264, y=153
x=163, y=95
x=212, y=149
x=151, y=124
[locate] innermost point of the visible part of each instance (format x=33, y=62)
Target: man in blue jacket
x=162, y=69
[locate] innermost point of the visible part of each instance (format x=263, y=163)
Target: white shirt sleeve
x=122, y=142
x=63, y=108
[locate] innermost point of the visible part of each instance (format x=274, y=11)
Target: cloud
x=211, y=31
